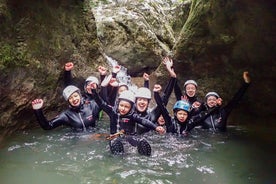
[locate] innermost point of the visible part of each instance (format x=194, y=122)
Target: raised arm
x=101, y=103
x=163, y=109
x=170, y=86
x=239, y=94
x=68, y=79
x=37, y=105
x=146, y=80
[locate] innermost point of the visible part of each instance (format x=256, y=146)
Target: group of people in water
x=129, y=112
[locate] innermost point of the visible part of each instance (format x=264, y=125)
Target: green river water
x=64, y=157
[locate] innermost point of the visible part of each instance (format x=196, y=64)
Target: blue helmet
x=181, y=105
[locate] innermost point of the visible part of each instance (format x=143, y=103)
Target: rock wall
x=220, y=40
x=37, y=39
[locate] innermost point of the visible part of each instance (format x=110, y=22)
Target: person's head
x=161, y=120
x=211, y=99
x=190, y=87
x=143, y=97
x=122, y=87
x=72, y=95
x=91, y=83
x=126, y=101
x=181, y=110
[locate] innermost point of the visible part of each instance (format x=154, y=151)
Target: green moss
x=11, y=57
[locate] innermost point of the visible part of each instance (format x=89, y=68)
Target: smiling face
x=211, y=101
x=190, y=90
x=124, y=107
x=75, y=99
x=142, y=104
x=181, y=115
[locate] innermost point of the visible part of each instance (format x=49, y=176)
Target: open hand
x=168, y=62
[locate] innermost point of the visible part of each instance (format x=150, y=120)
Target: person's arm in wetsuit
x=168, y=90
x=43, y=122
x=177, y=91
x=113, y=89
x=146, y=80
x=164, y=112
x=197, y=119
x=108, y=109
x=147, y=123
x=68, y=79
x=104, y=80
x=109, y=86
x=156, y=112
x=239, y=94
x=170, y=86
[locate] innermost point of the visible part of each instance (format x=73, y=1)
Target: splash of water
x=122, y=75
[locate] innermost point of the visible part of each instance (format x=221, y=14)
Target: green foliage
x=10, y=57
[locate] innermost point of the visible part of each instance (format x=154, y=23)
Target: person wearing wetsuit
x=217, y=120
x=182, y=117
x=123, y=118
x=190, y=89
x=80, y=116
x=143, y=97
x=90, y=82
x=109, y=84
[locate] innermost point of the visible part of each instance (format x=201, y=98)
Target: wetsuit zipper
x=212, y=121
x=84, y=128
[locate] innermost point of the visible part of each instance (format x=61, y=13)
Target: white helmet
x=127, y=95
x=143, y=92
x=92, y=79
x=211, y=94
x=69, y=90
x=190, y=82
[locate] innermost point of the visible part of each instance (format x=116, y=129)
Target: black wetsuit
x=155, y=113
x=191, y=100
x=172, y=124
x=68, y=80
x=109, y=93
x=81, y=118
x=217, y=120
x=126, y=122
